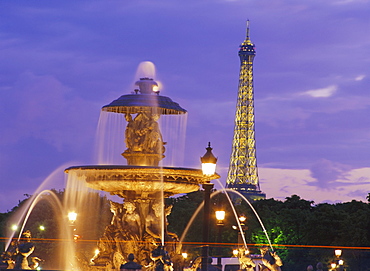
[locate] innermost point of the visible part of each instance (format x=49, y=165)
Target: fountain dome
x=147, y=99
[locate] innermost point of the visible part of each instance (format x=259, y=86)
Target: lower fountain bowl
x=140, y=181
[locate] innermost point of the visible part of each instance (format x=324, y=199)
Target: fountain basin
x=141, y=181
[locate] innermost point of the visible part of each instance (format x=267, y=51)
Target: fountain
x=139, y=224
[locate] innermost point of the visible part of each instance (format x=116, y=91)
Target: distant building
x=243, y=173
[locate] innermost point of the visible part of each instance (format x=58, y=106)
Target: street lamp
x=339, y=263
x=220, y=216
x=242, y=219
x=208, y=162
x=209, y=168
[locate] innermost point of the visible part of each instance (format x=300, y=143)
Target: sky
x=61, y=61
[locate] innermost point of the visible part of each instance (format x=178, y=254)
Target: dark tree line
x=301, y=232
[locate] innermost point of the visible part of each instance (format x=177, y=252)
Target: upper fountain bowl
x=146, y=99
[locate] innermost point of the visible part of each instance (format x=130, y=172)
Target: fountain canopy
x=146, y=99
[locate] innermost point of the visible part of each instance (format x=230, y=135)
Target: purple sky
x=61, y=61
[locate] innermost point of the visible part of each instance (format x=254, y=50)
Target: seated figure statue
x=245, y=261
x=24, y=249
x=270, y=259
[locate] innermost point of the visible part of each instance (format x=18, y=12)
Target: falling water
x=226, y=190
x=65, y=234
x=91, y=217
x=184, y=233
x=110, y=139
x=57, y=210
x=173, y=129
x=55, y=179
x=254, y=211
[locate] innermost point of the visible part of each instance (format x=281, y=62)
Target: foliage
x=306, y=233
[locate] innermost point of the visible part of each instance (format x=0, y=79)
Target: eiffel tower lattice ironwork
x=243, y=173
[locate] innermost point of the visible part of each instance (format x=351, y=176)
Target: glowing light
x=242, y=218
x=208, y=162
x=72, y=216
x=208, y=169
x=338, y=252
x=184, y=255
x=14, y=227
x=42, y=228
x=220, y=215
x=155, y=88
x=235, y=253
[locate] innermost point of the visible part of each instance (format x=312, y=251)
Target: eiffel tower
x=243, y=173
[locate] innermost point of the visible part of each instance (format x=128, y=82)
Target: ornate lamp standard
x=338, y=264
x=220, y=216
x=208, y=167
x=242, y=219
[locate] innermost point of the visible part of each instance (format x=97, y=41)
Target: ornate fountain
x=139, y=224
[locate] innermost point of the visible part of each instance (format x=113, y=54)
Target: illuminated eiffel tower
x=243, y=173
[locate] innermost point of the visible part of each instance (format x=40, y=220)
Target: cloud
x=360, y=77
x=350, y=185
x=321, y=92
x=46, y=110
x=327, y=173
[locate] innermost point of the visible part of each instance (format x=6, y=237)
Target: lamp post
x=242, y=218
x=208, y=167
x=220, y=216
x=339, y=263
